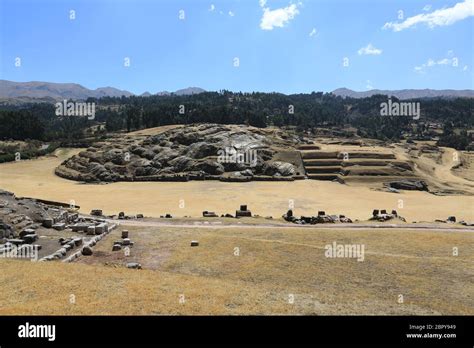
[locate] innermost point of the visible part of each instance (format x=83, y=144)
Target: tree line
x=304, y=111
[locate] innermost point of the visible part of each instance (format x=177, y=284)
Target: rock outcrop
x=204, y=151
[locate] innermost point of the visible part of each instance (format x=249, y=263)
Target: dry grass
x=272, y=265
x=36, y=178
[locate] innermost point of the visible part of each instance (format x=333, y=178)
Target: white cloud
x=369, y=50
x=432, y=63
x=313, y=32
x=232, y=14
x=427, y=8
x=444, y=61
x=442, y=17
x=465, y=68
x=277, y=18
x=212, y=8
x=369, y=85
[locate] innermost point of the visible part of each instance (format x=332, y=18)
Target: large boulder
x=202, y=149
x=210, y=167
x=145, y=171
x=116, y=156
x=279, y=168
x=87, y=251
x=6, y=231
x=166, y=155
x=182, y=163
x=186, y=138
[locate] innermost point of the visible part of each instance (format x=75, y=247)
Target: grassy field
x=276, y=271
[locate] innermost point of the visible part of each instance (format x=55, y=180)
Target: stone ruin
x=243, y=212
x=190, y=152
x=95, y=228
x=124, y=242
x=382, y=215
x=321, y=218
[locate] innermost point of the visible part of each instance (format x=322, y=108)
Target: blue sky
x=428, y=45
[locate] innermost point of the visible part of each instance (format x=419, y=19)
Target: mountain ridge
x=75, y=91
x=60, y=91
x=406, y=93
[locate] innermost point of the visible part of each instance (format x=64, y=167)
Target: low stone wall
x=60, y=253
x=91, y=243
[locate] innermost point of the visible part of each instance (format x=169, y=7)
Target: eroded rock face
x=418, y=185
x=205, y=150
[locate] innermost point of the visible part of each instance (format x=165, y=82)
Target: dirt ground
x=254, y=270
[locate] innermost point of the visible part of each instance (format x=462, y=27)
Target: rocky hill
x=205, y=151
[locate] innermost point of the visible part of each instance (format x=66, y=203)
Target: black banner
x=298, y=330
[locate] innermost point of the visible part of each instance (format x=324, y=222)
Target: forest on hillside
x=38, y=121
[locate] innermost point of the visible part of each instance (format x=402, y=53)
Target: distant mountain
x=185, y=91
x=190, y=90
x=407, y=93
x=58, y=91
x=163, y=93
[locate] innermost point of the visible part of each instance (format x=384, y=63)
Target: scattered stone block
x=77, y=241
x=87, y=251
x=90, y=230
x=126, y=241
x=96, y=212
x=194, y=243
x=125, y=234
x=59, y=226
x=139, y=216
x=240, y=213
x=134, y=265
x=116, y=247
x=243, y=212
x=80, y=227
x=451, y=219
x=15, y=241
x=27, y=231
x=206, y=213
x=101, y=228
x=48, y=222
x=30, y=238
